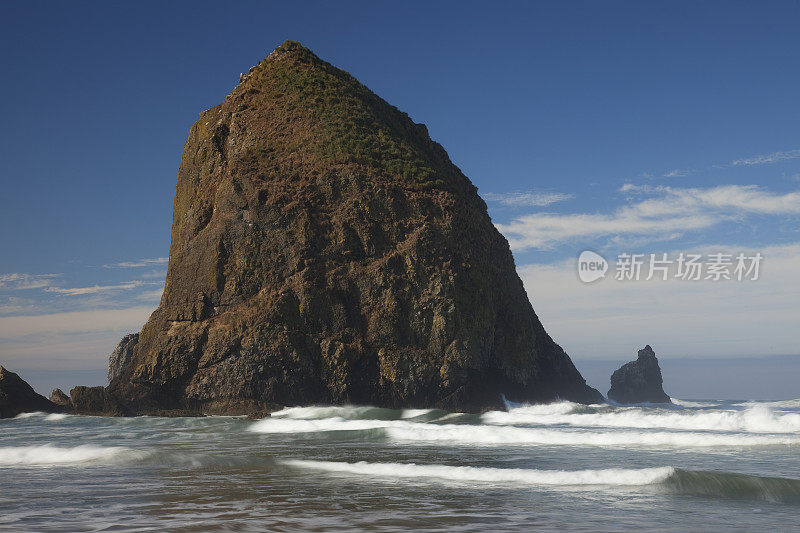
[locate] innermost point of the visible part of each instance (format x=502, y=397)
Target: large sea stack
x=326, y=250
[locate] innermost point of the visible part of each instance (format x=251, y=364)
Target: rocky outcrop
x=325, y=250
x=16, y=396
x=59, y=398
x=639, y=381
x=99, y=401
x=121, y=355
x=94, y=401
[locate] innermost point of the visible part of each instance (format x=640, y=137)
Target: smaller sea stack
x=16, y=396
x=639, y=381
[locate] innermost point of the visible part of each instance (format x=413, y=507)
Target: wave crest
x=667, y=479
x=755, y=419
x=611, y=476
x=460, y=434
x=48, y=455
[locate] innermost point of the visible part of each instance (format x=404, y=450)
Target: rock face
x=325, y=250
x=639, y=381
x=16, y=396
x=121, y=355
x=94, y=401
x=59, y=398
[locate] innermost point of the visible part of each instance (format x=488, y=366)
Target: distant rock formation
x=16, y=396
x=94, y=401
x=639, y=381
x=325, y=250
x=59, y=398
x=121, y=355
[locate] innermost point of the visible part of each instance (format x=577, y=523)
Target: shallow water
x=692, y=466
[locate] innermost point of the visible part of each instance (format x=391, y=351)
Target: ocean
x=702, y=466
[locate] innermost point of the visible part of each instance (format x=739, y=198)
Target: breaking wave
x=52, y=417
x=31, y=414
x=612, y=476
x=49, y=417
x=754, y=419
x=352, y=412
x=687, y=403
x=459, y=434
x=784, y=404
x=462, y=434
x=47, y=455
x=665, y=479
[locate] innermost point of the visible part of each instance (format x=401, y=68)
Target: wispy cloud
x=677, y=173
x=98, y=289
x=155, y=274
x=15, y=306
x=762, y=159
x=151, y=296
x=139, y=263
x=668, y=212
x=767, y=158
x=22, y=281
x=527, y=199
x=746, y=198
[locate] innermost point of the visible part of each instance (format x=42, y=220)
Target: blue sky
x=639, y=127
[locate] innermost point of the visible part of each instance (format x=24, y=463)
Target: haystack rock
x=639, y=381
x=16, y=396
x=325, y=250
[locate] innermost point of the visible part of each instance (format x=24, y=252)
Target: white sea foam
x=48, y=455
x=32, y=414
x=487, y=435
x=613, y=476
x=687, y=403
x=756, y=419
x=556, y=408
x=317, y=425
x=332, y=411
x=52, y=417
x=780, y=405
x=39, y=414
x=414, y=413
x=459, y=434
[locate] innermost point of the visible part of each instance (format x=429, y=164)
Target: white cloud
x=767, y=158
x=139, y=263
x=98, y=289
x=71, y=340
x=747, y=198
x=527, y=199
x=67, y=352
x=155, y=274
x=671, y=211
x=148, y=296
x=95, y=320
x=612, y=319
x=22, y=281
